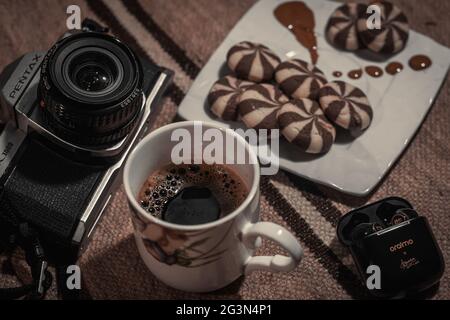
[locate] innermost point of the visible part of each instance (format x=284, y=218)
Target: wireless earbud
x=402, y=215
x=364, y=229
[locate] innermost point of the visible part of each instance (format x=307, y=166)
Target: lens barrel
x=90, y=89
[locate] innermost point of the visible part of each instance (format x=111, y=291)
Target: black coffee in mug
x=192, y=194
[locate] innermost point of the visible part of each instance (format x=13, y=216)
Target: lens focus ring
x=85, y=129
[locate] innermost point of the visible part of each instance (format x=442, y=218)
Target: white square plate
x=400, y=102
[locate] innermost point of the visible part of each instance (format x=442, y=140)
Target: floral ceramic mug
x=209, y=256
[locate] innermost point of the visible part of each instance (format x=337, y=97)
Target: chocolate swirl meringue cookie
x=252, y=61
x=341, y=30
x=393, y=34
x=299, y=79
x=225, y=95
x=259, y=105
x=303, y=123
x=346, y=105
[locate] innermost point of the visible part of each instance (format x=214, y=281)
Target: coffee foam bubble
x=164, y=185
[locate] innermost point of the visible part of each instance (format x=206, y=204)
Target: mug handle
x=278, y=263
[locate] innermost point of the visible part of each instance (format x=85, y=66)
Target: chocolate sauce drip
x=420, y=62
x=374, y=71
x=355, y=74
x=394, y=67
x=299, y=19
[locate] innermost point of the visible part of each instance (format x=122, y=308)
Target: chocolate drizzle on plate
x=420, y=62
x=299, y=19
x=394, y=67
x=374, y=71
x=417, y=63
x=355, y=74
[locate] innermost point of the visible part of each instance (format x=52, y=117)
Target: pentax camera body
x=392, y=236
x=70, y=118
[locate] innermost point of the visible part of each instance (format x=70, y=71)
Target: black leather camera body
x=70, y=118
x=390, y=235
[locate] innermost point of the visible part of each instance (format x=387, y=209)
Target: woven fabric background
x=181, y=35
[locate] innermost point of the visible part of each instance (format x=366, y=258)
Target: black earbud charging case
x=407, y=254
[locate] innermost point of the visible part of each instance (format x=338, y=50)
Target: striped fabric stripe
x=304, y=232
x=164, y=40
x=317, y=198
x=103, y=12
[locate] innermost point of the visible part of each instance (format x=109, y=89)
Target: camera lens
x=92, y=76
x=90, y=89
x=93, y=70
